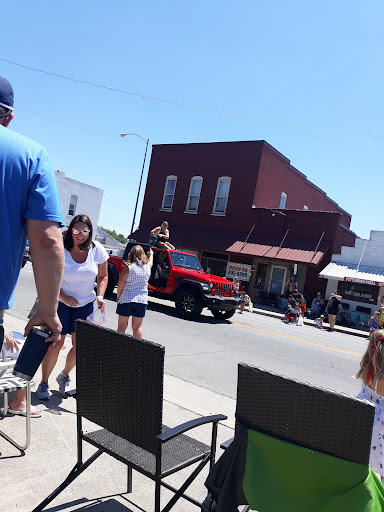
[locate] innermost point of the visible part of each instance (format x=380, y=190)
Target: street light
x=142, y=171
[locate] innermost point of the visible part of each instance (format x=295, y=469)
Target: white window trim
x=283, y=201
x=170, y=177
x=222, y=178
x=197, y=178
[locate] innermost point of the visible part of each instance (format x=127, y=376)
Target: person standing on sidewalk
x=85, y=262
x=332, y=309
x=29, y=207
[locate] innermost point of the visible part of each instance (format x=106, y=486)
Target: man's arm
x=46, y=246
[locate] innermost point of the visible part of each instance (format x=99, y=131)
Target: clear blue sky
x=317, y=64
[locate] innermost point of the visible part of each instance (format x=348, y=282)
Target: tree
x=121, y=238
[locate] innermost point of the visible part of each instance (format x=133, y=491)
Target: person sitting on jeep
x=160, y=237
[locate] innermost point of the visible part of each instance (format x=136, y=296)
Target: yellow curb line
x=300, y=339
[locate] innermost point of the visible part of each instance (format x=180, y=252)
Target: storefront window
x=261, y=276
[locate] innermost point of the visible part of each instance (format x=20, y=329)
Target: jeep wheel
x=188, y=303
x=111, y=284
x=223, y=314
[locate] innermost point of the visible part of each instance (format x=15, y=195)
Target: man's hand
x=10, y=342
x=50, y=324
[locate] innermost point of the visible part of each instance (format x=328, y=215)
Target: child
x=244, y=299
x=371, y=373
x=374, y=322
x=319, y=322
x=300, y=315
x=291, y=313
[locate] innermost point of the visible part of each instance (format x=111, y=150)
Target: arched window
x=222, y=193
x=194, y=194
x=169, y=193
x=283, y=200
x=72, y=206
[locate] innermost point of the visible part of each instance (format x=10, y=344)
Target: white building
x=79, y=198
x=358, y=274
x=110, y=243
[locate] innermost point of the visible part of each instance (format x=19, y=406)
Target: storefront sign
x=363, y=281
x=359, y=292
x=239, y=270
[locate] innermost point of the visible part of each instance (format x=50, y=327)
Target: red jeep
x=178, y=276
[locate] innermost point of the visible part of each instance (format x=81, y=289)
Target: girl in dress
x=371, y=373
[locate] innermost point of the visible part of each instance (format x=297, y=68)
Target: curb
x=353, y=332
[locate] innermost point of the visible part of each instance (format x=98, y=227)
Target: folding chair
x=129, y=381
x=280, y=419
x=9, y=383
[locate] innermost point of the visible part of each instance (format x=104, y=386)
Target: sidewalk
x=270, y=311
x=29, y=478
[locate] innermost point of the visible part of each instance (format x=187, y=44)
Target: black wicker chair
x=302, y=414
x=129, y=381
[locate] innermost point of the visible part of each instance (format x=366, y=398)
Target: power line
x=195, y=107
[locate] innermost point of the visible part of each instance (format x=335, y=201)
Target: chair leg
x=10, y=439
x=76, y=471
x=129, y=479
x=157, y=495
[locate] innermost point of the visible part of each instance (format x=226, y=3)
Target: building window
x=72, y=206
x=169, y=193
x=194, y=194
x=283, y=201
x=222, y=192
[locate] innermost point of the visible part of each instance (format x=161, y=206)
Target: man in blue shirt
x=29, y=206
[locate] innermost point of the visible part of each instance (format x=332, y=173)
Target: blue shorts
x=69, y=315
x=132, y=309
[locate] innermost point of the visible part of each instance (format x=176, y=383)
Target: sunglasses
x=78, y=231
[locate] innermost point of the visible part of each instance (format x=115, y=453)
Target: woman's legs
x=122, y=323
x=136, y=326
x=332, y=321
x=50, y=360
x=70, y=362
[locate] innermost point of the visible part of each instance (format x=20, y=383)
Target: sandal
x=23, y=412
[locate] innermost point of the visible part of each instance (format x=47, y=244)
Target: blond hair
x=372, y=362
x=137, y=255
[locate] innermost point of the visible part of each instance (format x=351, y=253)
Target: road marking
x=300, y=339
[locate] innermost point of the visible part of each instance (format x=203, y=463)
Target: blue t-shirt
x=28, y=190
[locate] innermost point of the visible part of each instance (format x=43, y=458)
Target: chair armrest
x=188, y=425
x=227, y=443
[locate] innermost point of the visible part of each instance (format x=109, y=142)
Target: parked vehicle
x=178, y=276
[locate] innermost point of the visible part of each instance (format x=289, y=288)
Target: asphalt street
x=205, y=352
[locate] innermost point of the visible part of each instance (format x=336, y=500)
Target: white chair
x=8, y=384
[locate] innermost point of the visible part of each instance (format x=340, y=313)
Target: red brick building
x=217, y=196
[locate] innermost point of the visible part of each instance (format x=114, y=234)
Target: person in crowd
x=29, y=208
x=332, y=309
x=85, y=262
x=160, y=237
x=319, y=322
x=244, y=299
x=291, y=285
x=371, y=374
x=300, y=315
x=132, y=290
x=317, y=306
x=291, y=312
x=374, y=322
x=381, y=305
x=299, y=297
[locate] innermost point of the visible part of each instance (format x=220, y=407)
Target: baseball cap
x=6, y=94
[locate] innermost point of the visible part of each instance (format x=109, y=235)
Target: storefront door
x=277, y=280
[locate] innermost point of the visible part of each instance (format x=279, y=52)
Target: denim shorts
x=69, y=315
x=135, y=309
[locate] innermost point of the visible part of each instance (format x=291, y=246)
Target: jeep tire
x=189, y=303
x=223, y=314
